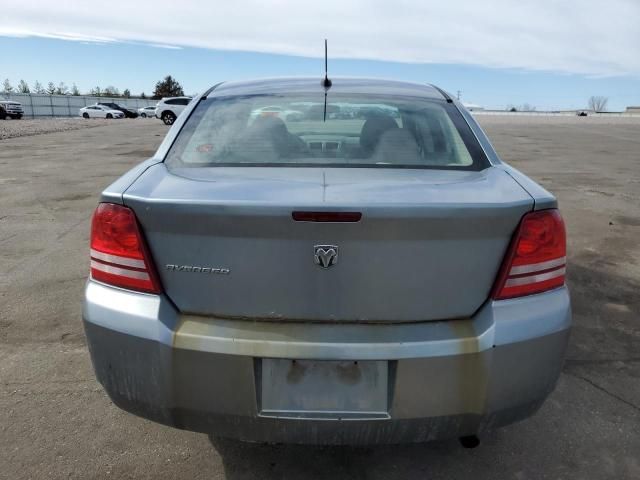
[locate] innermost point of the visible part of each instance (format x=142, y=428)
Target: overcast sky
x=589, y=38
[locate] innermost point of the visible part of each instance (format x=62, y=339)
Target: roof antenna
x=326, y=83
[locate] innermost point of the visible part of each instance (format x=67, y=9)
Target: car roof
x=295, y=85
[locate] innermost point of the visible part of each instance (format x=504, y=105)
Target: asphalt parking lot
x=56, y=422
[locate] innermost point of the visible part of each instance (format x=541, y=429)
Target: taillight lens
x=536, y=259
x=119, y=255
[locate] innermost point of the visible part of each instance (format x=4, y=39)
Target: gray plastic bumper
x=445, y=379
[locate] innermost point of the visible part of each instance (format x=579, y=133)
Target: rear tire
x=168, y=118
x=85, y=115
x=17, y=117
x=109, y=115
x=143, y=115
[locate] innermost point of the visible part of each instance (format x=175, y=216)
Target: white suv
x=168, y=109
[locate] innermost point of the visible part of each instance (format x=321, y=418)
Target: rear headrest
x=271, y=124
x=398, y=146
x=269, y=133
x=373, y=129
x=264, y=140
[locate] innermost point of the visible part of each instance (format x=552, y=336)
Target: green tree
x=6, y=86
x=38, y=88
x=96, y=92
x=143, y=96
x=23, y=87
x=126, y=93
x=168, y=87
x=74, y=90
x=62, y=89
x=51, y=88
x=111, y=91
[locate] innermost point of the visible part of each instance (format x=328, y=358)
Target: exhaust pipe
x=470, y=441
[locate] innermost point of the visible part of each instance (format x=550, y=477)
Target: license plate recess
x=324, y=389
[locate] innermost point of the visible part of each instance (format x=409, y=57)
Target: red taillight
x=119, y=255
x=536, y=259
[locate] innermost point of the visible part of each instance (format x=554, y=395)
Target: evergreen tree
x=6, y=86
x=23, y=87
x=38, y=88
x=168, y=87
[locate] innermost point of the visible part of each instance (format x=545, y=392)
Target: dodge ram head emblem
x=325, y=255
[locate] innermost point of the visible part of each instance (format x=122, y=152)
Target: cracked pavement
x=56, y=421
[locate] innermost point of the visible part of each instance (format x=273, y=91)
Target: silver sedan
x=368, y=271
x=147, y=112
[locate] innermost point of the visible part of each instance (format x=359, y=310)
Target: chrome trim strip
x=106, y=257
x=515, y=282
x=536, y=267
x=119, y=271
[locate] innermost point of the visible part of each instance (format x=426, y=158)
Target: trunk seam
x=523, y=188
x=136, y=179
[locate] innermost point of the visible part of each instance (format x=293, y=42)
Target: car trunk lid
x=427, y=247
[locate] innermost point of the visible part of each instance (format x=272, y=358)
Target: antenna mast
x=326, y=83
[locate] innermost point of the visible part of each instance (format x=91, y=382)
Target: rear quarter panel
x=542, y=198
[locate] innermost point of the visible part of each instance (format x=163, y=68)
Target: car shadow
x=605, y=307
x=276, y=461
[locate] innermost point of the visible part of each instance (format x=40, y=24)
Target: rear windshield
x=347, y=131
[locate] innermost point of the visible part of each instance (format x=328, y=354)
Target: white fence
x=553, y=114
x=36, y=105
x=43, y=105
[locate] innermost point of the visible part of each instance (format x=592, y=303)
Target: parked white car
x=168, y=109
x=274, y=111
x=100, y=111
x=147, y=112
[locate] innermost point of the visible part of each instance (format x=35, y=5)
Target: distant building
x=472, y=107
x=633, y=109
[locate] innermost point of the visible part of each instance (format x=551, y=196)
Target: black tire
x=85, y=115
x=3, y=114
x=143, y=115
x=109, y=115
x=168, y=118
x=16, y=117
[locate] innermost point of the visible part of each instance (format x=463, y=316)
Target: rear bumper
x=446, y=379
